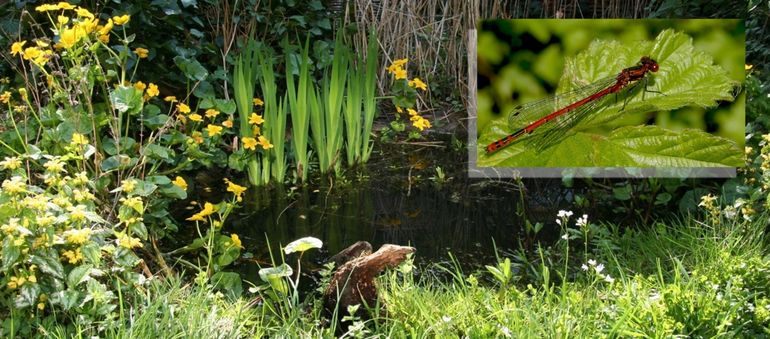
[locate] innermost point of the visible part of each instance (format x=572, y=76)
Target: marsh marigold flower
x=141, y=52
x=255, y=119
x=18, y=47
x=82, y=12
x=152, y=90
x=236, y=240
x=213, y=129
x=104, y=30
x=258, y=102
x=235, y=189
x=180, y=182
x=195, y=117
x=211, y=113
x=183, y=108
x=400, y=74
x=140, y=85
x=417, y=83
x=208, y=209
x=121, y=20
x=170, y=98
x=265, y=143
x=228, y=123
x=250, y=143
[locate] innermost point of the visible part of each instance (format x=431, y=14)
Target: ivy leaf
x=686, y=78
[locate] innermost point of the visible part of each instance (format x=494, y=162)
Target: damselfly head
x=649, y=63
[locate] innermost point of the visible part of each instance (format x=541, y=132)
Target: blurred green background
x=522, y=60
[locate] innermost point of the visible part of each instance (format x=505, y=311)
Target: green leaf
x=686, y=78
x=155, y=151
x=229, y=282
x=191, y=68
x=10, y=254
x=173, y=191
x=78, y=275
x=49, y=264
x=127, y=100
x=27, y=295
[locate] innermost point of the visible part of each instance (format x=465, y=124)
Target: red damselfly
x=569, y=108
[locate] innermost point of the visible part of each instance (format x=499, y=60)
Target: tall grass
x=244, y=76
x=360, y=103
x=327, y=124
x=274, y=129
x=299, y=106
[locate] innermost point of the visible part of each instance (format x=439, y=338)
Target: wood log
x=353, y=282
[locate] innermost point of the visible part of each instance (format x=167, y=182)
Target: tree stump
x=353, y=281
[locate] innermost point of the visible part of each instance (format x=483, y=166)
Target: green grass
x=686, y=278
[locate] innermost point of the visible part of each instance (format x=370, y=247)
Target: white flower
x=565, y=237
x=592, y=262
x=446, y=318
x=563, y=213
x=599, y=268
x=583, y=220
x=609, y=279
x=558, y=221
x=584, y=267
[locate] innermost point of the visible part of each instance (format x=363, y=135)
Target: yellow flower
x=10, y=163
x=411, y=111
x=256, y=130
x=250, y=143
x=23, y=93
x=140, y=85
x=15, y=282
x=46, y=8
x=400, y=74
x=399, y=109
x=208, y=209
x=73, y=256
x=236, y=240
x=397, y=65
x=82, y=12
x=420, y=122
x=749, y=67
x=141, y=52
x=170, y=98
x=121, y=20
x=64, y=5
x=213, y=130
x=128, y=186
x=105, y=39
x=77, y=213
x=258, y=102
x=228, y=123
x=31, y=53
x=183, y=108
x=18, y=47
x=211, y=113
x=127, y=241
x=255, y=119
x=5, y=97
x=265, y=143
x=79, y=139
x=197, y=136
x=104, y=30
x=54, y=165
x=77, y=237
x=417, y=83
x=152, y=90
x=180, y=182
x=195, y=117
x=235, y=189
x=70, y=36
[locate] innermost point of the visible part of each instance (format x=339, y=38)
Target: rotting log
x=353, y=281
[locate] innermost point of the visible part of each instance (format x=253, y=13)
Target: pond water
x=408, y=194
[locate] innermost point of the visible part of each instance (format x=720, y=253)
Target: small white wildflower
x=558, y=221
x=599, y=268
x=715, y=286
x=584, y=267
x=609, y=279
x=582, y=221
x=565, y=237
x=506, y=331
x=563, y=213
x=446, y=318
x=592, y=262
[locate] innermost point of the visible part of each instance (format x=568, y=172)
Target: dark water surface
x=400, y=197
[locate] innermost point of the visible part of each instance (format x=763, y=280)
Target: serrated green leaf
x=686, y=78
